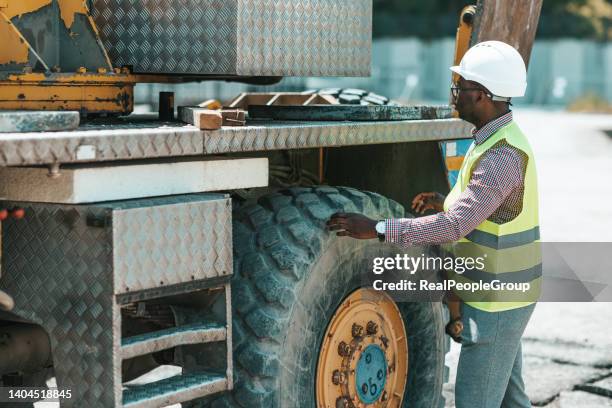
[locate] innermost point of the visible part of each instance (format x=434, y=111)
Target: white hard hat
x=497, y=66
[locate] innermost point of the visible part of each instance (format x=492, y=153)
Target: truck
x=131, y=242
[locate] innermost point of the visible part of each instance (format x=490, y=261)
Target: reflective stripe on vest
x=504, y=241
x=510, y=251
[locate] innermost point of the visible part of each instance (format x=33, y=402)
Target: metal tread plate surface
x=146, y=233
x=142, y=138
x=176, y=336
x=173, y=390
x=65, y=253
x=238, y=37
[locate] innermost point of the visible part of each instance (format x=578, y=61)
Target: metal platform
x=143, y=138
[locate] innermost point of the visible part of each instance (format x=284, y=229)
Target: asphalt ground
x=568, y=346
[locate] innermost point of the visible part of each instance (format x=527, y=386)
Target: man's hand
x=353, y=225
x=428, y=201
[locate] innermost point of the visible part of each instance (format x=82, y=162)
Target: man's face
x=468, y=97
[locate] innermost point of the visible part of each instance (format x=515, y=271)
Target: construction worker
x=492, y=207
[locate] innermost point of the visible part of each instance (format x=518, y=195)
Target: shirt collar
x=482, y=134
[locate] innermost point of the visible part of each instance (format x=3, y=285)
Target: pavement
x=567, y=346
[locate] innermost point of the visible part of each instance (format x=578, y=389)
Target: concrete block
x=37, y=121
x=88, y=183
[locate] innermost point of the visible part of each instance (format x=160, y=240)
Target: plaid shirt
x=495, y=192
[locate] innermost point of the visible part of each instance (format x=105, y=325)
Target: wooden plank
x=205, y=119
x=349, y=112
x=233, y=117
x=513, y=22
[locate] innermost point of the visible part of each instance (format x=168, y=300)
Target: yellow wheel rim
x=366, y=336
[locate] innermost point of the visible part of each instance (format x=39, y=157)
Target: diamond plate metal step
x=176, y=336
x=173, y=390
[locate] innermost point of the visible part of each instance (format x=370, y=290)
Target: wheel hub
x=371, y=374
x=364, y=356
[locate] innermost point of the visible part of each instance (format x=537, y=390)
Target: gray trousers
x=489, y=372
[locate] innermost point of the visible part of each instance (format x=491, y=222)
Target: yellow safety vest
x=510, y=252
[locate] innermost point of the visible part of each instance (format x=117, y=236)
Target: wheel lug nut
x=371, y=328
x=357, y=330
x=338, y=377
x=343, y=402
x=344, y=349
x=385, y=341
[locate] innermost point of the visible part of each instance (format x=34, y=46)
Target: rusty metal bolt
x=343, y=402
x=344, y=349
x=364, y=388
x=338, y=377
x=385, y=396
x=385, y=341
x=371, y=328
x=357, y=330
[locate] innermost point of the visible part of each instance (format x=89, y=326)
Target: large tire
x=290, y=275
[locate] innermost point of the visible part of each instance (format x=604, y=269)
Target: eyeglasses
x=455, y=90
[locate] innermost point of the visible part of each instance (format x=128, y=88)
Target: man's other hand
x=428, y=201
x=353, y=225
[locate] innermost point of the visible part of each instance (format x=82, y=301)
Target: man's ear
x=481, y=98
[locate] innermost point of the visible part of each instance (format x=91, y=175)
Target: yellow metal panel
x=454, y=163
x=93, y=93
x=68, y=8
x=17, y=8
x=13, y=49
x=70, y=78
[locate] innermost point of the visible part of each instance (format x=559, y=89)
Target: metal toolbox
x=71, y=268
x=238, y=37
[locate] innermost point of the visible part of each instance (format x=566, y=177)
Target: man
x=493, y=207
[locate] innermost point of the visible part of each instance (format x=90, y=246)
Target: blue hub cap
x=371, y=374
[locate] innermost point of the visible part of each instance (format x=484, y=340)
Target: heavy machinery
x=132, y=243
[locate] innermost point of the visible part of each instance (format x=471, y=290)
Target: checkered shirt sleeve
x=496, y=176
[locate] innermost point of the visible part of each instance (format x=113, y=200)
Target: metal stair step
x=168, y=338
x=174, y=390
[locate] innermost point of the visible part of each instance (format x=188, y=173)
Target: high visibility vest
x=510, y=252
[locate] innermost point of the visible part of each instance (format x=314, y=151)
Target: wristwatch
x=381, y=227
